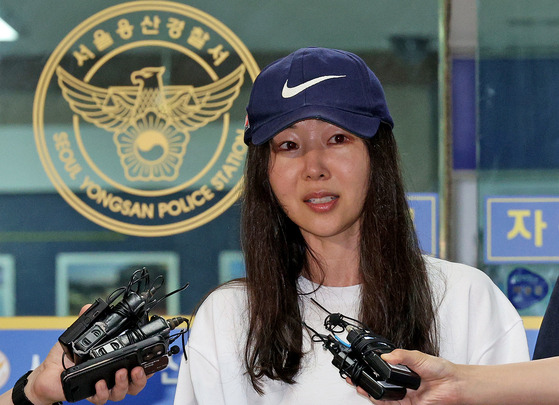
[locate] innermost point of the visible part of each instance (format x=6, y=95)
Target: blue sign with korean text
x=425, y=213
x=522, y=229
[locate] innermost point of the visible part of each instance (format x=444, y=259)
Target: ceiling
x=355, y=24
x=260, y=24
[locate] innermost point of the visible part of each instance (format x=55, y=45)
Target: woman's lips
x=321, y=202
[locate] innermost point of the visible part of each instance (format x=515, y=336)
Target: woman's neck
x=334, y=264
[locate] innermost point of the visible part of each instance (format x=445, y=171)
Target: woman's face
x=320, y=175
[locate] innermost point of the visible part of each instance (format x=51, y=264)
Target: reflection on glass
x=518, y=145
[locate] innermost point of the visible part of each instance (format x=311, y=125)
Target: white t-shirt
x=477, y=325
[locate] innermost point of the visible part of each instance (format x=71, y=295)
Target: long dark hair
x=396, y=297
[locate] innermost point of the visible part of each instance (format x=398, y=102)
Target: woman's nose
x=316, y=167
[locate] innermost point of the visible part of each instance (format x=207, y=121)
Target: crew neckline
x=309, y=286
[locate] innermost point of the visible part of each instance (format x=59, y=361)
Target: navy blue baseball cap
x=328, y=84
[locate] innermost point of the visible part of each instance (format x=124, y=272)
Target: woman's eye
x=339, y=138
x=287, y=145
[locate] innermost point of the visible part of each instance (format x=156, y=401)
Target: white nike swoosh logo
x=288, y=92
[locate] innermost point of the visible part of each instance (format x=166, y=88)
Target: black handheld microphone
x=156, y=326
x=369, y=347
x=124, y=315
x=362, y=375
x=98, y=310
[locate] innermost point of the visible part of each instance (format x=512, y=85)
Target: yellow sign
x=139, y=117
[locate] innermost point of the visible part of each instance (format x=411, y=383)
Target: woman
x=325, y=217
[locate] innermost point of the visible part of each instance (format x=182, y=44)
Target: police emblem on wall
x=139, y=117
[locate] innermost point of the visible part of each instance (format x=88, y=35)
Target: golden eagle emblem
x=151, y=123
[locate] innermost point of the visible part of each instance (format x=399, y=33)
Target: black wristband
x=18, y=395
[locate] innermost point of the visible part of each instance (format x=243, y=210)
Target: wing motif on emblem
x=118, y=107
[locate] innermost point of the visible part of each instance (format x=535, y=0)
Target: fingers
x=411, y=358
x=399, y=356
x=84, y=308
x=122, y=386
x=365, y=394
x=118, y=392
x=362, y=392
x=101, y=393
x=139, y=381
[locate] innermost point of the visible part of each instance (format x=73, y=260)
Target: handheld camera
x=108, y=337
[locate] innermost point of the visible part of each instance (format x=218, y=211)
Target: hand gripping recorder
x=107, y=337
x=359, y=358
